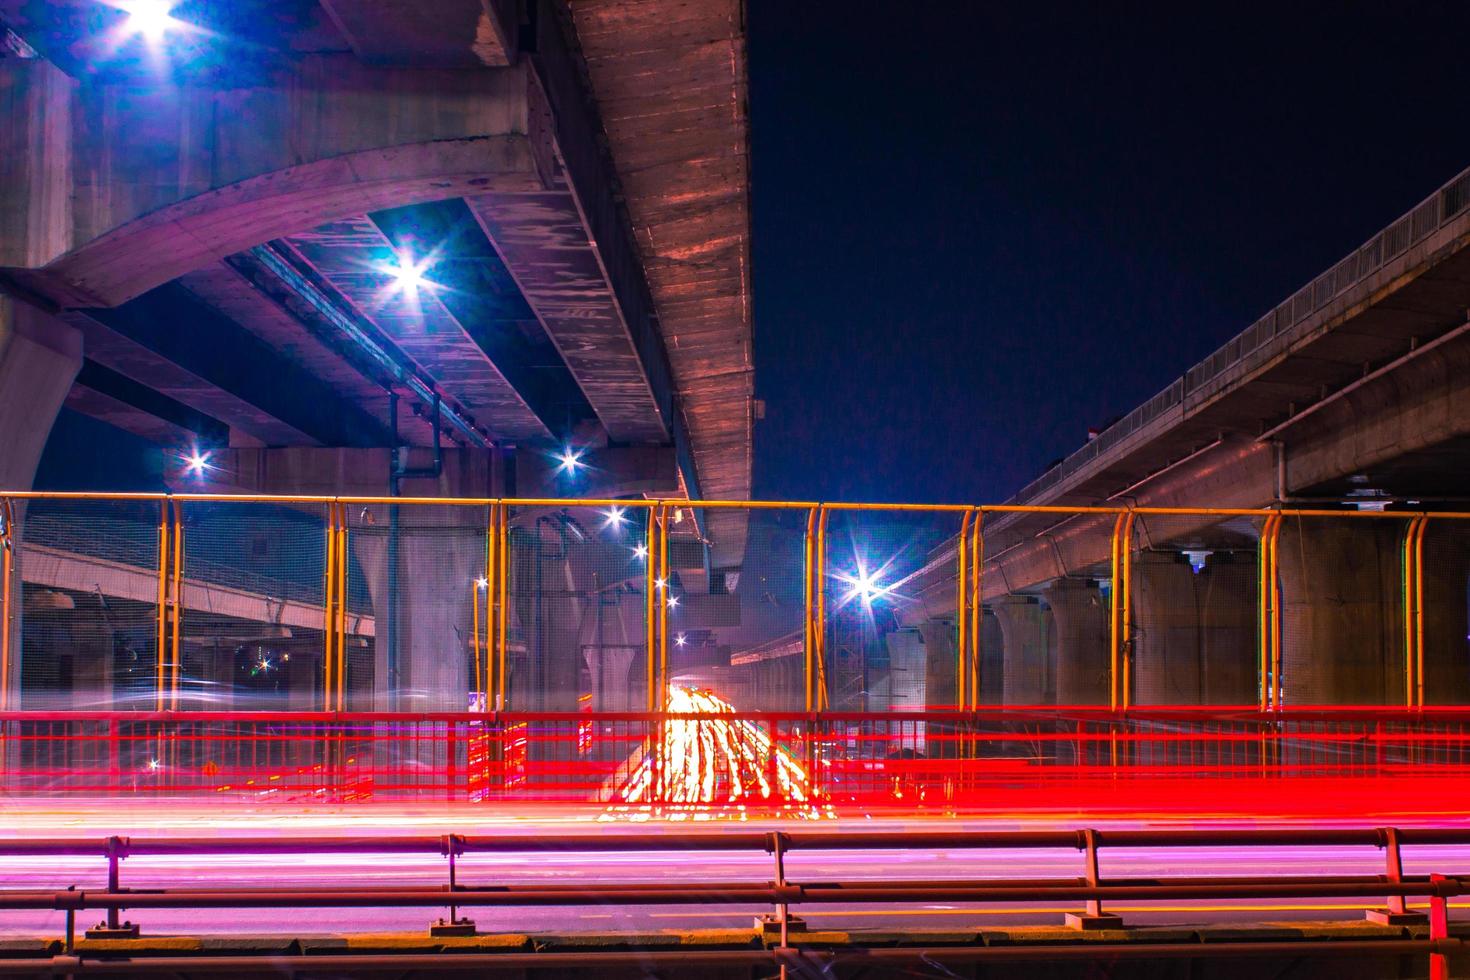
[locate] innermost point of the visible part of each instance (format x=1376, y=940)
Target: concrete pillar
x=613, y=645
x=940, y=662
x=1446, y=613
x=609, y=669
x=992, y=658
x=1080, y=613
x=39, y=358
x=1194, y=632
x=440, y=552
x=1025, y=670
x=1342, y=612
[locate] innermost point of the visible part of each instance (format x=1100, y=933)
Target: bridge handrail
x=780, y=892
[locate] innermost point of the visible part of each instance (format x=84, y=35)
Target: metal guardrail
x=1274, y=331
x=944, y=761
x=781, y=892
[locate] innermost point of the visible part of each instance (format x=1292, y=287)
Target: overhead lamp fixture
x=149, y=19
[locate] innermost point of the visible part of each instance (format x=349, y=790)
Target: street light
x=150, y=19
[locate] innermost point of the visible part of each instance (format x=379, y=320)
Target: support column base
x=102, y=930
x=454, y=927
x=769, y=926
x=1386, y=918
x=1090, y=923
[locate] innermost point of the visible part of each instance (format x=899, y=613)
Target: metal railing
x=836, y=762
x=1091, y=888
x=1274, y=332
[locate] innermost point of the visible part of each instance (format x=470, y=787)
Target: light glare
x=571, y=460
x=151, y=19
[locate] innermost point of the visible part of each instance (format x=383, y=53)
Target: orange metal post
x=663, y=603
x=1126, y=625
x=650, y=610
x=160, y=656
x=502, y=674
x=176, y=652
x=1273, y=611
x=977, y=612
x=1115, y=609
x=341, y=607
x=488, y=688
x=820, y=584
x=1418, y=612
x=1263, y=622
x=808, y=607
x=329, y=622
x=962, y=603
x=7, y=572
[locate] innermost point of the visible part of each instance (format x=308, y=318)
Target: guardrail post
x=451, y=847
x=783, y=921
x=1397, y=911
x=1093, y=917
x=111, y=928
x=1439, y=930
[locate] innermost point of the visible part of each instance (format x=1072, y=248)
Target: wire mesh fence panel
x=1341, y=588
x=84, y=604
x=745, y=637
x=1193, y=611
x=249, y=587
x=894, y=613
x=576, y=642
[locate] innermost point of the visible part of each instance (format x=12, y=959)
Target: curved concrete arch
x=120, y=191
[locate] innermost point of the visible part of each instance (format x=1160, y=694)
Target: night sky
x=980, y=229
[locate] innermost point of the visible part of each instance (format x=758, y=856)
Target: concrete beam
x=120, y=401
x=286, y=403
x=445, y=34
x=109, y=190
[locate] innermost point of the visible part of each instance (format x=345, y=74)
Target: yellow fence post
x=7, y=573
x=175, y=647
x=329, y=619
x=977, y=612
x=962, y=611
x=808, y=611
x=820, y=584
x=1115, y=610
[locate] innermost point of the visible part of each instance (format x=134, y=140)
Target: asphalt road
x=315, y=871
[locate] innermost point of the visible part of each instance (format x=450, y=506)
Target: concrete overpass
x=1352, y=393
x=326, y=240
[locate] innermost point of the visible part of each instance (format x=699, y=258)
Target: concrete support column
x=39, y=358
x=940, y=662
x=1446, y=614
x=1342, y=612
x=992, y=658
x=1194, y=632
x=609, y=669
x=1026, y=673
x=1081, y=617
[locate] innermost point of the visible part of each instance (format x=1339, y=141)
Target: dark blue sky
x=981, y=228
